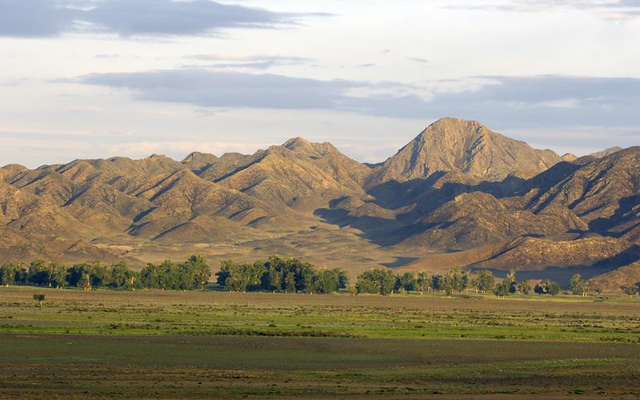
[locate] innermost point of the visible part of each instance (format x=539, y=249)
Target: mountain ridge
x=457, y=187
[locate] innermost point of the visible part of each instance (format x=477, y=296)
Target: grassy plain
x=233, y=345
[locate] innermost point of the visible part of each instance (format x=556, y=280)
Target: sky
x=86, y=79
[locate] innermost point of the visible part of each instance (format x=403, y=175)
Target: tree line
x=189, y=275
x=384, y=281
x=281, y=275
x=276, y=274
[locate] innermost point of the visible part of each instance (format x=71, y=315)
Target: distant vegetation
x=383, y=281
x=282, y=275
x=189, y=275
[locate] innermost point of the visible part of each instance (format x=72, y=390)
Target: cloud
x=127, y=18
x=549, y=101
x=13, y=82
x=418, y=60
x=500, y=100
x=609, y=9
x=211, y=88
x=34, y=18
x=106, y=55
x=259, y=62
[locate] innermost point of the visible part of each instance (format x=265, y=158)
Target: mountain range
x=458, y=195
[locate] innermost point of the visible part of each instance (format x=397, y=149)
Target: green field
x=234, y=345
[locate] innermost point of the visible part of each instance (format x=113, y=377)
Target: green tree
x=504, y=288
x=119, y=275
x=447, y=285
x=328, y=281
x=409, y=282
x=57, y=275
x=186, y=277
x=377, y=281
x=202, y=270
x=457, y=280
x=21, y=274
x=485, y=281
x=630, y=290
x=228, y=276
x=578, y=285
x=75, y=273
x=98, y=274
x=547, y=286
x=366, y=285
x=273, y=278
x=166, y=276
x=289, y=282
x=95, y=272
x=38, y=273
x=8, y=273
x=305, y=274
x=511, y=281
x=423, y=282
x=437, y=282
x=343, y=278
x=242, y=277
x=554, y=289
x=467, y=278
x=150, y=276
x=523, y=287
x=84, y=282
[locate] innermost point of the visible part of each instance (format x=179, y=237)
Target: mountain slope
x=612, y=282
x=604, y=193
x=606, y=152
x=458, y=195
x=469, y=148
x=299, y=176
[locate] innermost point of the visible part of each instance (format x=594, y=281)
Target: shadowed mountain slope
x=603, y=193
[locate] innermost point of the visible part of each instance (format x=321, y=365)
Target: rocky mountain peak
x=468, y=147
x=302, y=146
x=196, y=160
x=606, y=152
x=297, y=143
x=454, y=127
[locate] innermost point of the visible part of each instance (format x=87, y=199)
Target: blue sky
x=99, y=78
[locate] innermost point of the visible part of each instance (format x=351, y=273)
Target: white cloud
x=505, y=101
x=609, y=9
x=128, y=18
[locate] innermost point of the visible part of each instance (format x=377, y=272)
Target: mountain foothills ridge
x=458, y=195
